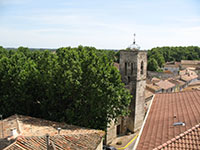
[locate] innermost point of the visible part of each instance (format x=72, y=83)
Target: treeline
x=79, y=86
x=159, y=55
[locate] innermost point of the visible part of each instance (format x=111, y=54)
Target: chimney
x=59, y=129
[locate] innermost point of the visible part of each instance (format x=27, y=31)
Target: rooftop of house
x=172, y=64
x=193, y=85
x=192, y=62
x=176, y=81
x=153, y=87
x=31, y=132
x=190, y=139
x=188, y=77
x=148, y=94
x=164, y=84
x=154, y=80
x=170, y=115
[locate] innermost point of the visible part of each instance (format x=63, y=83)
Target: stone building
x=133, y=68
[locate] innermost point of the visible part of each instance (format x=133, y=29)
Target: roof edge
x=140, y=133
x=177, y=137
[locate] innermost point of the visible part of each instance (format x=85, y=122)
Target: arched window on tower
x=142, y=68
x=131, y=68
x=125, y=69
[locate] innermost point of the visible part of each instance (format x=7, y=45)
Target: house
x=189, y=63
x=188, y=76
x=193, y=86
x=166, y=86
x=24, y=133
x=180, y=85
x=153, y=88
x=173, y=67
x=172, y=122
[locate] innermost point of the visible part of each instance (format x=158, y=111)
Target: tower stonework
x=133, y=68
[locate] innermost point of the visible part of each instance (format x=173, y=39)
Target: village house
x=172, y=122
x=179, y=85
x=189, y=63
x=173, y=67
x=166, y=86
x=24, y=133
x=193, y=86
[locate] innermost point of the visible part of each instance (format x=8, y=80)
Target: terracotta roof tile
x=167, y=109
x=190, y=138
x=153, y=87
x=70, y=141
x=164, y=84
x=31, y=133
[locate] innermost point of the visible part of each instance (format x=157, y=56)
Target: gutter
x=140, y=133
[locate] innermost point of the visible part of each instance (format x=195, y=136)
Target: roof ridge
x=178, y=92
x=177, y=137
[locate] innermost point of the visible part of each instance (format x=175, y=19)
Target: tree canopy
x=74, y=85
x=167, y=54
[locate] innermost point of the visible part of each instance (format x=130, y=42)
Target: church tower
x=133, y=68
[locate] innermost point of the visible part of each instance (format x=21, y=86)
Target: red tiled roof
x=64, y=142
x=165, y=84
x=153, y=87
x=188, y=77
x=190, y=139
x=33, y=128
x=177, y=82
x=167, y=109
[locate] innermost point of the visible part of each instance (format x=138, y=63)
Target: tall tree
x=74, y=85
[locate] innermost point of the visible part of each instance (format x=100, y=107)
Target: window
x=142, y=68
x=131, y=68
x=129, y=79
x=125, y=68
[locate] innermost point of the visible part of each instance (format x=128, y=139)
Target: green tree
x=75, y=85
x=152, y=65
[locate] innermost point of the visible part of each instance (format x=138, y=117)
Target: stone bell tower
x=133, y=68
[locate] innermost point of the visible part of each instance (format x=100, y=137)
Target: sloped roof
x=167, y=109
x=153, y=87
x=190, y=62
x=30, y=128
x=148, y=94
x=70, y=141
x=190, y=139
x=164, y=84
x=176, y=81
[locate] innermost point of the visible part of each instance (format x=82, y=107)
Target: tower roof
x=134, y=46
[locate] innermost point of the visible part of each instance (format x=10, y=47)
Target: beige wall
x=100, y=146
x=111, y=132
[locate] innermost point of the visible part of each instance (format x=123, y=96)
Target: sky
x=104, y=24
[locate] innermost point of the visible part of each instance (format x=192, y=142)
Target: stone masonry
x=133, y=68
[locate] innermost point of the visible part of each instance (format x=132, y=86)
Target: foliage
x=77, y=85
x=167, y=54
x=152, y=65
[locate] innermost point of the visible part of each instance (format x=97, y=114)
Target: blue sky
x=108, y=24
